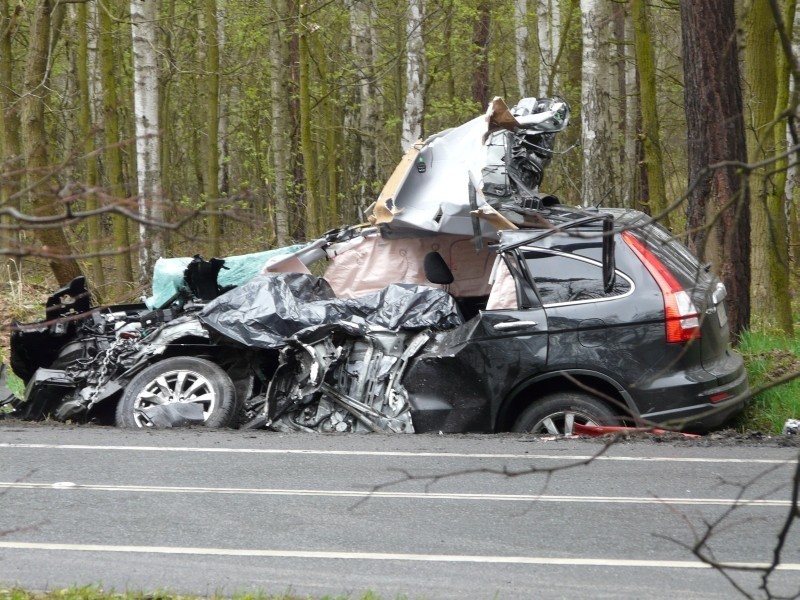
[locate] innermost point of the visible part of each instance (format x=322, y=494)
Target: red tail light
x=683, y=318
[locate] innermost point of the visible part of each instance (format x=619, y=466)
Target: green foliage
x=771, y=359
x=15, y=384
x=440, y=113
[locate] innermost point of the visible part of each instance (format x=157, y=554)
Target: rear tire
x=181, y=379
x=557, y=413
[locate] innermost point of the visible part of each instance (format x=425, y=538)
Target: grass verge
x=770, y=358
x=14, y=383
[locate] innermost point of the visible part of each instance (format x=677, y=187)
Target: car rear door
x=460, y=381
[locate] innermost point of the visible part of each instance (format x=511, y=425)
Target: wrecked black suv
x=471, y=303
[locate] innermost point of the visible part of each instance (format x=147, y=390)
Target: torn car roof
x=429, y=190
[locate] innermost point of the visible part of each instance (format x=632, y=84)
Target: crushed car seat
x=437, y=271
x=72, y=298
x=201, y=277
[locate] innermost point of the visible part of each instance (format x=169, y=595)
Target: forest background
x=133, y=129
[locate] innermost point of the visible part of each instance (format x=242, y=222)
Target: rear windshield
x=675, y=256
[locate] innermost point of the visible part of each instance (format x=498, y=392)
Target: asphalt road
x=207, y=512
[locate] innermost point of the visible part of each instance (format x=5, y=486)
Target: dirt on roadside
x=722, y=438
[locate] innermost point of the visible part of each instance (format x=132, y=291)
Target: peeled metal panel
x=383, y=207
x=434, y=194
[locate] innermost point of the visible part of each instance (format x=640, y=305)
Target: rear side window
x=561, y=278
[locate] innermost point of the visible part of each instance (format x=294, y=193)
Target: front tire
x=182, y=379
x=557, y=414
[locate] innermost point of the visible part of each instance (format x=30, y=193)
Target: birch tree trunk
x=148, y=153
x=597, y=134
x=93, y=65
x=521, y=45
x=414, y=107
x=548, y=14
x=223, y=177
x=770, y=289
x=279, y=95
x=785, y=105
x=42, y=183
x=364, y=43
x=793, y=175
x=718, y=208
x=113, y=157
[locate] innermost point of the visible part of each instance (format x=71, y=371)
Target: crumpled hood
x=270, y=308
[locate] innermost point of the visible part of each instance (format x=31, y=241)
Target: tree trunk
x=597, y=134
x=793, y=175
x=94, y=224
x=10, y=148
x=42, y=183
x=651, y=139
x=480, y=42
x=223, y=177
x=148, y=152
x=521, y=45
x=785, y=105
x=211, y=178
x=770, y=290
x=623, y=102
x=113, y=162
x=718, y=206
x=328, y=196
x=332, y=209
x=279, y=111
x=449, y=65
x=295, y=147
x=415, y=74
x=549, y=24
x=95, y=83
x=165, y=87
x=631, y=147
x=364, y=41
x=309, y=165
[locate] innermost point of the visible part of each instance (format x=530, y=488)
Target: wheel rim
x=562, y=422
x=173, y=387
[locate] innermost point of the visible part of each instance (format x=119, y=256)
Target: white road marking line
x=399, y=495
x=577, y=457
x=453, y=558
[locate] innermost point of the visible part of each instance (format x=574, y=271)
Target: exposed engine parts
x=341, y=383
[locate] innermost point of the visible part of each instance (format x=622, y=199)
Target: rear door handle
x=515, y=324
